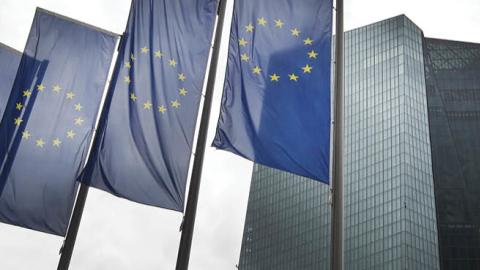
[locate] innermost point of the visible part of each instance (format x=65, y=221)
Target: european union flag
x=145, y=136
x=276, y=101
x=49, y=119
x=9, y=60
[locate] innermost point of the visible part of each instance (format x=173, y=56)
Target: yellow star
x=127, y=65
x=40, y=143
x=158, y=54
x=40, y=87
x=19, y=106
x=127, y=79
x=312, y=54
x=183, y=91
x=132, y=57
x=144, y=50
x=133, y=97
x=256, y=70
x=249, y=28
x=78, y=107
x=26, y=135
x=242, y=42
x=278, y=23
x=274, y=77
x=172, y=62
x=293, y=77
x=162, y=109
x=181, y=77
x=245, y=57
x=70, y=95
x=175, y=104
x=56, y=88
x=295, y=32
x=307, y=69
x=56, y=142
x=79, y=121
x=17, y=121
x=71, y=134
x=308, y=41
x=147, y=105
x=27, y=93
x=262, y=21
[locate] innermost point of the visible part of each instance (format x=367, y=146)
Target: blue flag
x=9, y=60
x=276, y=100
x=145, y=135
x=48, y=122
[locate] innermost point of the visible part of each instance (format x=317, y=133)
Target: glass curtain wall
x=390, y=220
x=389, y=207
x=453, y=91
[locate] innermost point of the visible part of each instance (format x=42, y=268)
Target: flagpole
x=69, y=242
x=337, y=175
x=191, y=210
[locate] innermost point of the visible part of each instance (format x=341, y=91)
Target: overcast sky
x=120, y=235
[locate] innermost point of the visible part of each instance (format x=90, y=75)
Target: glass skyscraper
x=389, y=198
x=288, y=222
x=391, y=217
x=453, y=91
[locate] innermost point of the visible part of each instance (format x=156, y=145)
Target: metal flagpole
x=69, y=242
x=337, y=173
x=191, y=210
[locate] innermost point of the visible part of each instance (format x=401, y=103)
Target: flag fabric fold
x=144, y=145
x=9, y=60
x=276, y=102
x=46, y=129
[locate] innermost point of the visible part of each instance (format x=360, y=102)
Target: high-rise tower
x=390, y=214
x=453, y=91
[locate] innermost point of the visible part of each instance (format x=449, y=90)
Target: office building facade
x=391, y=217
x=453, y=91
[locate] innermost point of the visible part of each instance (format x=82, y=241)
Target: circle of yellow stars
x=279, y=24
x=164, y=107
x=41, y=142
